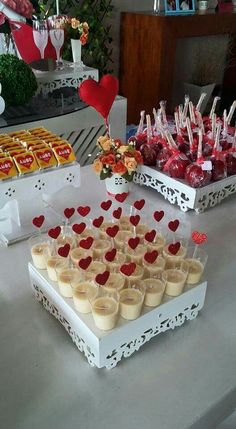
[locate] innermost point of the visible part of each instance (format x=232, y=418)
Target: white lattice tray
x=177, y=192
x=106, y=349
x=23, y=198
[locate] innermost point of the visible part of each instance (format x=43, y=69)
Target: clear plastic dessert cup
x=175, y=277
x=105, y=308
x=197, y=259
x=131, y=301
x=37, y=244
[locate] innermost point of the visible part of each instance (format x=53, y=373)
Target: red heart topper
x=110, y=255
x=158, y=215
x=121, y=197
x=173, y=225
x=128, y=269
x=105, y=205
x=198, y=237
x=139, y=204
x=78, y=228
x=174, y=248
x=98, y=221
x=117, y=213
x=100, y=95
x=149, y=236
x=102, y=278
x=150, y=257
x=133, y=242
x=64, y=250
x=86, y=243
x=38, y=221
x=83, y=210
x=26, y=160
x=85, y=262
x=5, y=167
x=134, y=220
x=54, y=232
x=68, y=212
x=45, y=156
x=112, y=231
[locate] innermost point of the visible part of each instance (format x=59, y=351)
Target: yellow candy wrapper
x=26, y=162
x=7, y=168
x=64, y=154
x=45, y=157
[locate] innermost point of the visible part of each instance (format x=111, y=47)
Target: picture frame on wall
x=179, y=7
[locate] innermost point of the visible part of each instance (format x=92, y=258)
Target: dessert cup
x=154, y=270
x=181, y=254
x=103, y=227
x=96, y=267
x=131, y=301
x=38, y=244
x=137, y=275
x=100, y=247
x=196, y=259
x=53, y=260
x=175, y=277
x=66, y=278
x=114, y=266
x=78, y=253
x=155, y=289
x=105, y=308
x=121, y=239
x=115, y=282
x=66, y=236
x=81, y=292
x=140, y=231
x=157, y=244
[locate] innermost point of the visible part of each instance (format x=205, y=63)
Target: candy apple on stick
x=200, y=101
x=178, y=162
x=218, y=165
x=185, y=110
x=231, y=159
x=213, y=108
x=195, y=175
x=231, y=112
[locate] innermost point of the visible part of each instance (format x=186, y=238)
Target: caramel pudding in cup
x=96, y=267
x=131, y=301
x=38, y=245
x=140, y=231
x=115, y=282
x=170, y=258
x=105, y=309
x=175, y=277
x=155, y=289
x=53, y=261
x=66, y=239
x=135, y=255
x=121, y=239
x=197, y=259
x=153, y=270
x=78, y=253
x=81, y=292
x=137, y=275
x=114, y=266
x=100, y=247
x=66, y=278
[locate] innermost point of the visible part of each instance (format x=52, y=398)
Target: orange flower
x=108, y=159
x=104, y=143
x=83, y=38
x=85, y=27
x=138, y=157
x=130, y=164
x=97, y=166
x=119, y=168
x=75, y=23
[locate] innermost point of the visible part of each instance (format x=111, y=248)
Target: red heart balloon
x=85, y=262
x=117, y=213
x=150, y=257
x=198, y=237
x=133, y=242
x=158, y=215
x=86, y=243
x=78, y=228
x=134, y=220
x=149, y=236
x=121, y=197
x=110, y=255
x=100, y=95
x=68, y=212
x=102, y=278
x=64, y=250
x=139, y=204
x=38, y=221
x=174, y=248
x=173, y=225
x=98, y=221
x=83, y=211
x=105, y=205
x=54, y=232
x=112, y=231
x=128, y=269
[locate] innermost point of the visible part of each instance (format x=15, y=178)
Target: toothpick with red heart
x=173, y=225
x=68, y=213
x=38, y=222
x=134, y=220
x=198, y=238
x=112, y=231
x=128, y=269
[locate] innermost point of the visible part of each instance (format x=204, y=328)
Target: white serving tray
x=106, y=349
x=24, y=197
x=178, y=192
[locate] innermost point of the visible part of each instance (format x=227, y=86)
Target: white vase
x=76, y=52
x=194, y=92
x=116, y=185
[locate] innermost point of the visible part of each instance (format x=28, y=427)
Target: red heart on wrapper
x=105, y=205
x=100, y=95
x=134, y=220
x=86, y=243
x=150, y=257
x=85, y=262
x=112, y=231
x=64, y=250
x=83, y=210
x=150, y=235
x=102, y=278
x=54, y=232
x=198, y=237
x=98, y=221
x=68, y=212
x=110, y=255
x=133, y=242
x=38, y=221
x=158, y=215
x=128, y=269
x=117, y=213
x=78, y=228
x=121, y=197
x=174, y=248
x=173, y=225
x=139, y=204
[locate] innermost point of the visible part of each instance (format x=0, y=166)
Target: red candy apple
x=178, y=167
x=163, y=157
x=196, y=177
x=218, y=169
x=149, y=154
x=230, y=164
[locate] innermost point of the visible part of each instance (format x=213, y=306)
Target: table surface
x=181, y=379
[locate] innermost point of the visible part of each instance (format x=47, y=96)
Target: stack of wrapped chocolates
x=24, y=152
x=197, y=149
x=119, y=262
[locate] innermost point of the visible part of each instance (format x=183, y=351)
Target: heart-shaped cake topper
x=199, y=237
x=121, y=197
x=86, y=243
x=64, y=250
x=68, y=212
x=128, y=269
x=54, y=232
x=83, y=210
x=133, y=242
x=174, y=248
x=150, y=235
x=134, y=220
x=110, y=255
x=38, y=221
x=151, y=257
x=139, y=204
x=85, y=262
x=102, y=278
x=112, y=231
x=105, y=205
x=158, y=215
x=100, y=95
x=173, y=225
x=78, y=228
x=98, y=221
x=117, y=213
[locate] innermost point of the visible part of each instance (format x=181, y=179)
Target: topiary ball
x=19, y=83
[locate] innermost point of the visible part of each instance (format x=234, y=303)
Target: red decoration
x=83, y=210
x=158, y=215
x=150, y=257
x=102, y=278
x=54, y=232
x=110, y=255
x=134, y=220
x=174, y=248
x=38, y=221
x=128, y=269
x=149, y=236
x=198, y=237
x=78, y=228
x=85, y=262
x=100, y=95
x=105, y=205
x=26, y=160
x=173, y=225
x=98, y=221
x=64, y=250
x=139, y=204
x=86, y=243
x=112, y=231
x=133, y=242
x=117, y=213
x=121, y=197
x=68, y=212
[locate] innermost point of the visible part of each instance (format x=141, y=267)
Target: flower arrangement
x=115, y=157
x=77, y=30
